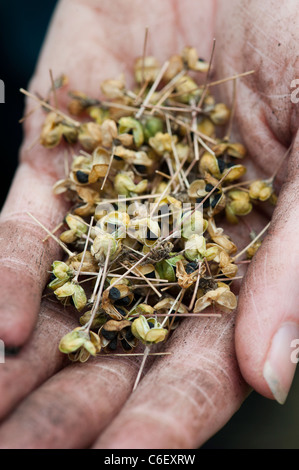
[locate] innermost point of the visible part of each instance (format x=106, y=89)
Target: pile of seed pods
x=153, y=174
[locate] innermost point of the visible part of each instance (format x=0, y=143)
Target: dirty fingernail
x=280, y=365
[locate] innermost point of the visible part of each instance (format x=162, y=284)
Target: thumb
x=268, y=319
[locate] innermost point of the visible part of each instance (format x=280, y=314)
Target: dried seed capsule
x=126, y=124
x=146, y=68
x=261, y=190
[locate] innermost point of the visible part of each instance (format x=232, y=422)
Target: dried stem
x=63, y=246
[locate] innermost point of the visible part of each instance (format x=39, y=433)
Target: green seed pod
x=126, y=124
x=151, y=127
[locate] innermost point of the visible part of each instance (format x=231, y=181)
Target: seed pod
x=192, y=61
x=82, y=342
x=90, y=135
x=51, y=133
x=161, y=143
x=261, y=190
x=250, y=252
x=175, y=66
x=146, y=68
x=98, y=321
x=238, y=204
x=209, y=163
x=102, y=243
x=123, y=184
x=195, y=248
x=222, y=298
x=62, y=273
x=80, y=102
x=205, y=126
x=127, y=124
x=113, y=88
x=235, y=149
x=142, y=330
x=220, y=114
x=151, y=127
x=187, y=89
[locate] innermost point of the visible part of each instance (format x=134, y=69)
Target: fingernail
x=12, y=351
x=280, y=365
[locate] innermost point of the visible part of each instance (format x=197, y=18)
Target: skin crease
x=199, y=386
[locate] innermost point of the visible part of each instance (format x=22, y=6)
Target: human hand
x=262, y=36
x=200, y=380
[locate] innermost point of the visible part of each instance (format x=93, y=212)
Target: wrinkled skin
x=184, y=398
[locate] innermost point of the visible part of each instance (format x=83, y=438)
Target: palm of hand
x=199, y=386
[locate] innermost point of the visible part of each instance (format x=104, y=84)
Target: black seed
x=113, y=344
x=206, y=204
x=140, y=168
x=109, y=335
x=150, y=324
x=230, y=164
x=209, y=187
x=191, y=267
x=116, y=142
x=125, y=301
x=215, y=200
x=114, y=293
x=150, y=235
x=52, y=277
x=125, y=345
x=81, y=176
x=221, y=164
x=129, y=335
x=200, y=59
x=117, y=157
x=121, y=311
x=151, y=275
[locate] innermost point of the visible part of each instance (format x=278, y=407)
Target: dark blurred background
x=260, y=423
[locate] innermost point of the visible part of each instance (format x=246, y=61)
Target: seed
x=113, y=344
x=129, y=335
x=109, y=335
x=206, y=204
x=125, y=345
x=140, y=168
x=151, y=275
x=191, y=267
x=209, y=187
x=121, y=311
x=82, y=177
x=221, y=164
x=114, y=293
x=125, y=301
x=215, y=200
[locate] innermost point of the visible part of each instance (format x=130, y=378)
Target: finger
x=186, y=397
x=25, y=260
x=38, y=359
x=268, y=319
x=72, y=408
x=68, y=51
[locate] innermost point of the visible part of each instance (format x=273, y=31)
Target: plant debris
x=152, y=177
